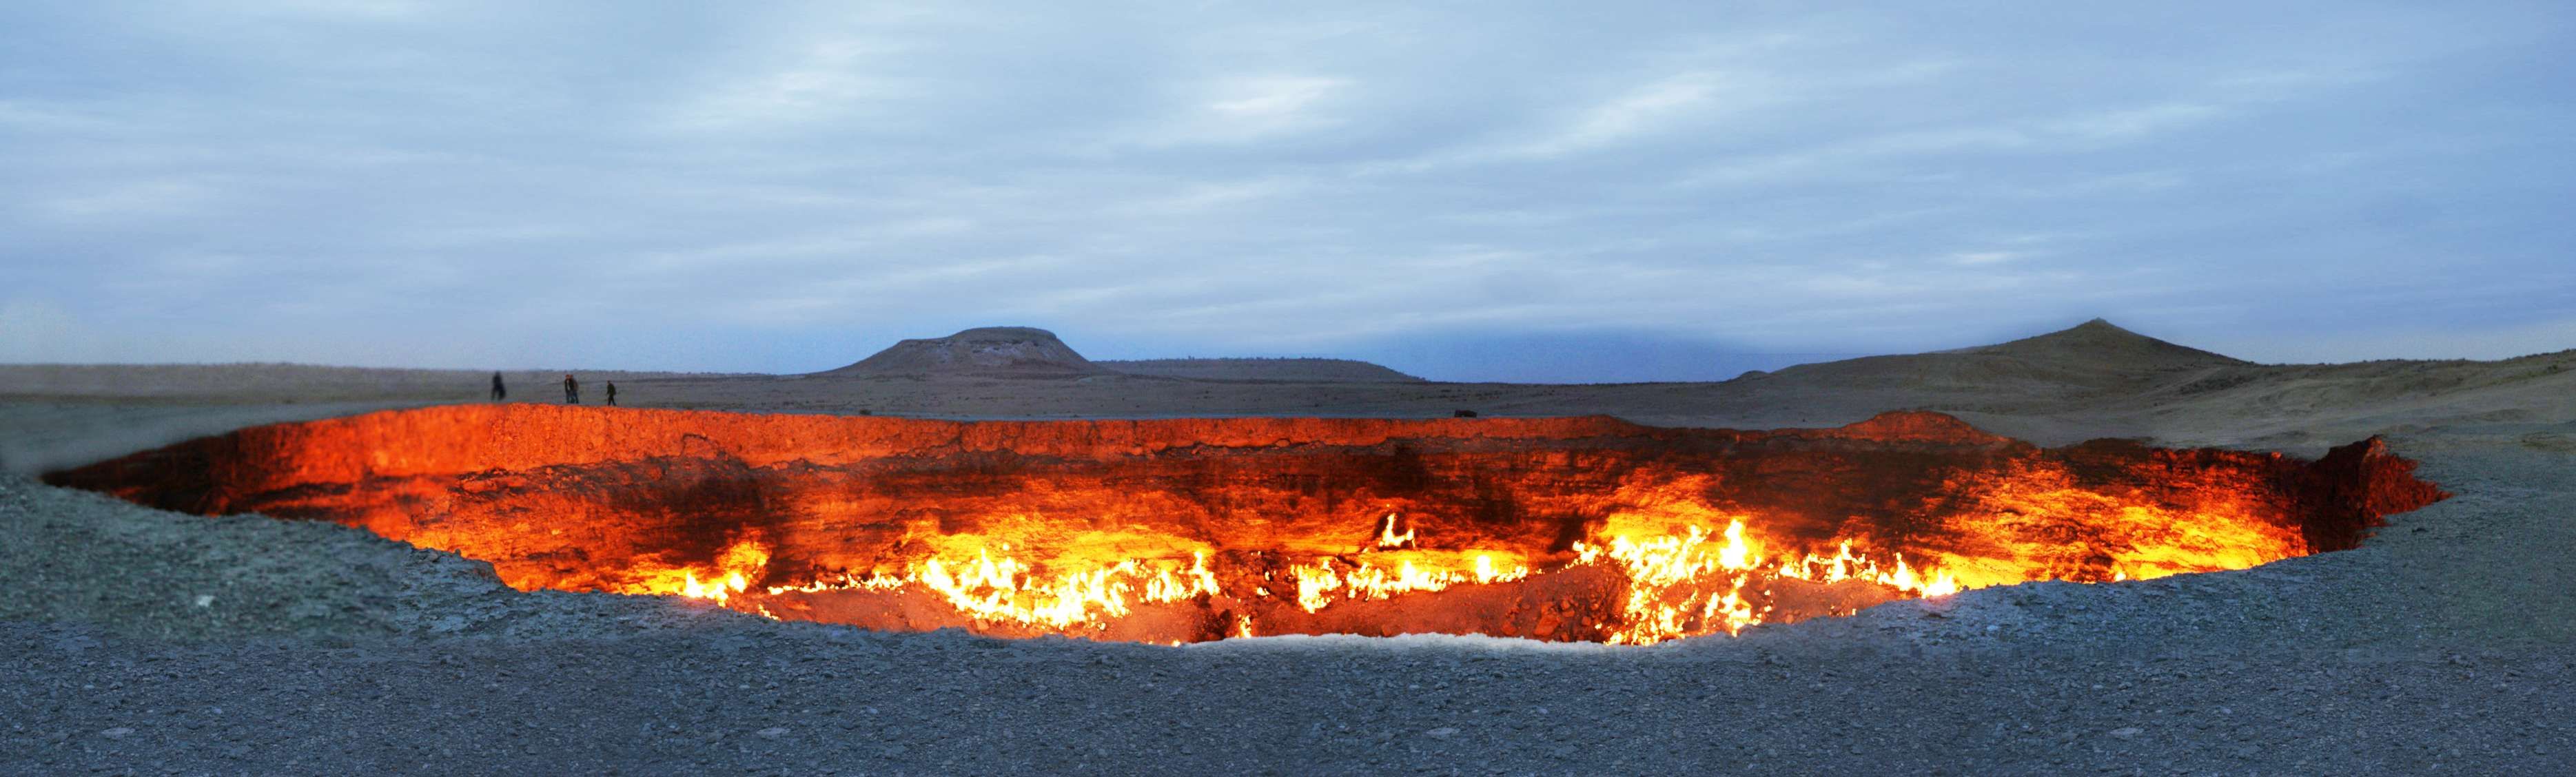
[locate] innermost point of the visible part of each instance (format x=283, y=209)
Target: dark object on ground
x=612, y=393
x=1462, y=414
x=499, y=392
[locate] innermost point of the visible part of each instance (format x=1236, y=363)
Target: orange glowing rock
x=1193, y=529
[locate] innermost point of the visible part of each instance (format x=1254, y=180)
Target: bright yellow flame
x=1321, y=583
x=1682, y=579
x=1674, y=582
x=734, y=569
x=1387, y=538
x=1317, y=583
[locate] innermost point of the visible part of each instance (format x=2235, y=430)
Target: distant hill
x=995, y=351
x=2090, y=357
x=2101, y=341
x=1305, y=370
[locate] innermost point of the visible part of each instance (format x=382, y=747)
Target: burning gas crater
x=1200, y=529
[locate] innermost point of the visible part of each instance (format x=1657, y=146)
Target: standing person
x=612, y=393
x=499, y=392
x=572, y=390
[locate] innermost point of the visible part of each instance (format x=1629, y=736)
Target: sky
x=1545, y=192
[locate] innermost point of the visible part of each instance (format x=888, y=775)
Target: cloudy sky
x=1473, y=190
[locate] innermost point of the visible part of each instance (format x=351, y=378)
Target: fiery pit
x=1199, y=529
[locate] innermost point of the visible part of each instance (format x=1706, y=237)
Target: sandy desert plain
x=136, y=640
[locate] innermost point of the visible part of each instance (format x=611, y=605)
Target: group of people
x=572, y=390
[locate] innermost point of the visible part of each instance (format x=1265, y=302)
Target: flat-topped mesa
x=1585, y=528
x=996, y=351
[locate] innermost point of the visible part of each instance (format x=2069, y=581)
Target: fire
x=1684, y=585
x=1387, y=538
x=1326, y=581
x=1201, y=529
x=2018, y=527
x=1677, y=585
x=1009, y=590
x=733, y=572
x=1845, y=566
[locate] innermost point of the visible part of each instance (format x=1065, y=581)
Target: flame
x=1682, y=578
x=1844, y=565
x=1387, y=538
x=1686, y=581
x=1679, y=584
x=733, y=571
x=1674, y=581
x=1324, y=582
x=1011, y=591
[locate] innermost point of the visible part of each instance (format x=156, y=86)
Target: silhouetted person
x=499, y=392
x=612, y=393
x=572, y=390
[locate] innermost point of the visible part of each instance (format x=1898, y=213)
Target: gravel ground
x=133, y=640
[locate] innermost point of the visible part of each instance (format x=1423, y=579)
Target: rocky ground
x=139, y=641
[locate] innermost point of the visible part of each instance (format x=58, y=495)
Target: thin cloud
x=131, y=200
x=1669, y=103
x=1271, y=98
x=830, y=80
